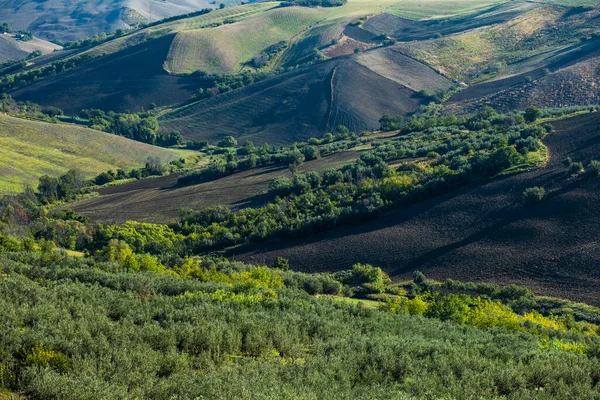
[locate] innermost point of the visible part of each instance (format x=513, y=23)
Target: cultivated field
x=129, y=80
x=392, y=64
x=161, y=199
x=29, y=149
x=420, y=9
x=296, y=106
x=76, y=19
x=481, y=233
x=13, y=49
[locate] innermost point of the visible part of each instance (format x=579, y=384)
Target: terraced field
x=29, y=149
x=161, y=199
x=481, y=233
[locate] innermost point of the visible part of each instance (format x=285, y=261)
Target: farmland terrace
x=480, y=233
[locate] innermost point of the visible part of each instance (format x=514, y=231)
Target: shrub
x=594, y=168
x=533, y=195
x=532, y=114
x=576, y=168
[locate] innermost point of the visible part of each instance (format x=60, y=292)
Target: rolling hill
x=481, y=233
x=493, y=45
x=76, y=19
x=12, y=49
x=29, y=149
x=160, y=200
x=297, y=105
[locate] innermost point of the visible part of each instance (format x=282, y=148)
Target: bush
x=533, y=195
x=594, y=168
x=576, y=168
x=532, y=114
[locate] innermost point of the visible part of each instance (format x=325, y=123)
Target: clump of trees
x=142, y=127
x=264, y=58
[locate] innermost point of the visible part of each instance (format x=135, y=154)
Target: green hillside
x=225, y=49
x=29, y=149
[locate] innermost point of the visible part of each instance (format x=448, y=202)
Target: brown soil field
x=296, y=106
x=406, y=30
x=346, y=46
x=129, y=80
x=481, y=232
x=161, y=199
x=567, y=77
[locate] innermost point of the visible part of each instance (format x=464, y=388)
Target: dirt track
x=482, y=233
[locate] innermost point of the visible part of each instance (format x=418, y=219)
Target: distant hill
x=29, y=149
x=12, y=49
x=393, y=56
x=76, y=19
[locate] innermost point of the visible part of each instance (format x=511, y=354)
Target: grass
x=483, y=54
x=227, y=48
x=29, y=149
x=420, y=9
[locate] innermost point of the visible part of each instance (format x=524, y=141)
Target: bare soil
x=481, y=233
x=161, y=199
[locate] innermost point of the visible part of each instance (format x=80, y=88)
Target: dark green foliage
x=532, y=113
x=576, y=168
x=5, y=28
x=228, y=141
x=142, y=127
x=593, y=168
x=73, y=326
x=268, y=54
x=533, y=195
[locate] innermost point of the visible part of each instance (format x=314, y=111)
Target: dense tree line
x=142, y=127
x=11, y=82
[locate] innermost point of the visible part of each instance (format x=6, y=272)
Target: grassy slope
x=469, y=56
x=29, y=149
x=419, y=9
x=228, y=47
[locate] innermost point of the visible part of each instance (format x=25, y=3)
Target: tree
x=593, y=168
x=48, y=189
x=227, y=141
x=532, y=114
x=71, y=184
x=533, y=195
x=222, y=6
x=282, y=264
x=576, y=168
x=294, y=159
x=5, y=28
